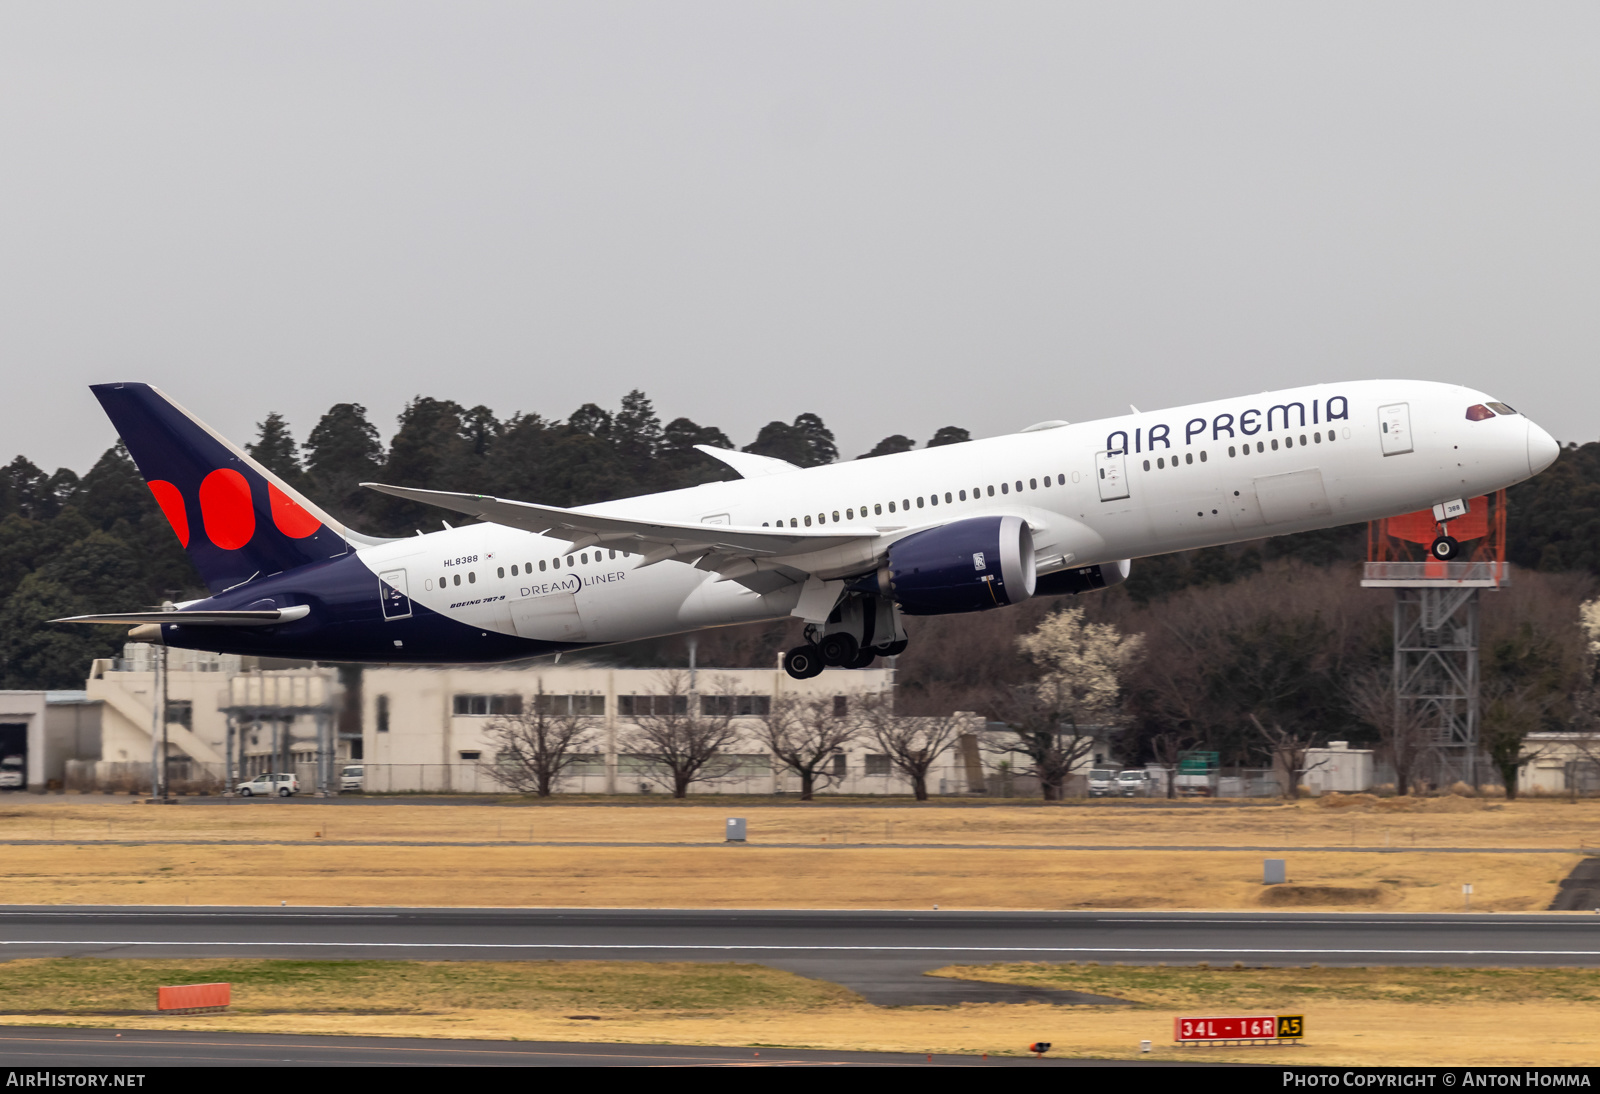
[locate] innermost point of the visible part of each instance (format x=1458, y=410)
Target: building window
x=485, y=705
x=570, y=704
x=739, y=706
x=877, y=764
x=180, y=712
x=632, y=706
x=839, y=767
x=383, y=713
x=470, y=755
x=841, y=705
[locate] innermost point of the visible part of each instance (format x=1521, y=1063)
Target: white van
x=350, y=778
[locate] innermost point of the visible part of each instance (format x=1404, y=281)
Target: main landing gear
x=860, y=630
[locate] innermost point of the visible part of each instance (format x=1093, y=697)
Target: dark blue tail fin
x=236, y=519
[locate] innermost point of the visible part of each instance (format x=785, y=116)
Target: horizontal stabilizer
x=198, y=618
x=585, y=528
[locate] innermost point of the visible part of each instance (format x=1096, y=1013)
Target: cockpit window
x=1501, y=408
x=1477, y=412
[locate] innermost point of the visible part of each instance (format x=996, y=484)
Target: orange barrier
x=193, y=997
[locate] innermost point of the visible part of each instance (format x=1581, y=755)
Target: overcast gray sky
x=896, y=215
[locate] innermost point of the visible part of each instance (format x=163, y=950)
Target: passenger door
x=1111, y=470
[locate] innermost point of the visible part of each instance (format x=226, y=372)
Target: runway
x=881, y=955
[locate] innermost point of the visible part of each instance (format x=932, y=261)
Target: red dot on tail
x=225, y=507
x=170, y=498
x=290, y=517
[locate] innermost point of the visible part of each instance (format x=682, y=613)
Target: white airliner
x=850, y=548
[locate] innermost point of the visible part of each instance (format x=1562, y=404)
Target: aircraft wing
x=736, y=553
x=198, y=618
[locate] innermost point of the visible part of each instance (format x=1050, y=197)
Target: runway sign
x=1214, y=1029
x=191, y=998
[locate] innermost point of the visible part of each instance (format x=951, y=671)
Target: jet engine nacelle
x=967, y=566
x=1082, y=579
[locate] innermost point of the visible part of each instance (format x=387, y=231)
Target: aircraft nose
x=1542, y=449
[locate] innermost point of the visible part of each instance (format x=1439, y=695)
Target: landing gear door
x=1111, y=469
x=1394, y=425
x=396, y=598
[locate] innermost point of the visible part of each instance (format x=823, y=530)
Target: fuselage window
x=458, y=579
x=891, y=507
x=963, y=495
x=1261, y=447
x=793, y=523
x=611, y=554
x=947, y=497
x=1161, y=462
x=1231, y=452
x=1317, y=436
x=500, y=571
x=569, y=562
x=1047, y=481
x=1019, y=486
x=878, y=508
x=933, y=499
x=1202, y=455
x=1288, y=442
x=905, y=503
x=1147, y=465
x=556, y=563
x=584, y=558
x=1033, y=484
x=472, y=577
x=1188, y=457
x=822, y=518
x=1005, y=488
x=1061, y=480
x=849, y=514
x=919, y=503
x=513, y=569
x=541, y=565
x=991, y=491
x=1274, y=444
x=836, y=516
x=1302, y=440
x=1330, y=436
x=808, y=521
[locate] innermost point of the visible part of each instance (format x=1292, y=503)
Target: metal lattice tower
x=1436, y=612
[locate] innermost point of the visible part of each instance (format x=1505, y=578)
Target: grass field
x=839, y=855
x=1370, y=1016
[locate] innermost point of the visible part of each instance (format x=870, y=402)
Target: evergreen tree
x=806, y=443
x=950, y=434
x=342, y=452
x=275, y=449
x=889, y=446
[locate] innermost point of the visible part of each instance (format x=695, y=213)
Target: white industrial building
x=427, y=728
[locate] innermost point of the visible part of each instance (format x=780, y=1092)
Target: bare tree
x=535, y=744
x=1405, y=725
x=1168, y=748
x=913, y=745
x=804, y=735
x=1509, y=714
x=1051, y=723
x=1288, y=751
x=678, y=741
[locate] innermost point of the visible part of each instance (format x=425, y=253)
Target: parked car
x=1103, y=782
x=282, y=785
x=1133, y=784
x=12, y=772
x=351, y=778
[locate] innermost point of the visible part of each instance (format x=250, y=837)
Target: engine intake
x=1082, y=579
x=967, y=566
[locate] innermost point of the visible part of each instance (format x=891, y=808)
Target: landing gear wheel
x=894, y=649
x=1444, y=549
x=803, y=662
x=864, y=658
x=838, y=650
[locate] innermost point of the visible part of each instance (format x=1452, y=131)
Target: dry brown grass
x=755, y=877
x=1355, y=820
x=1368, y=1016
